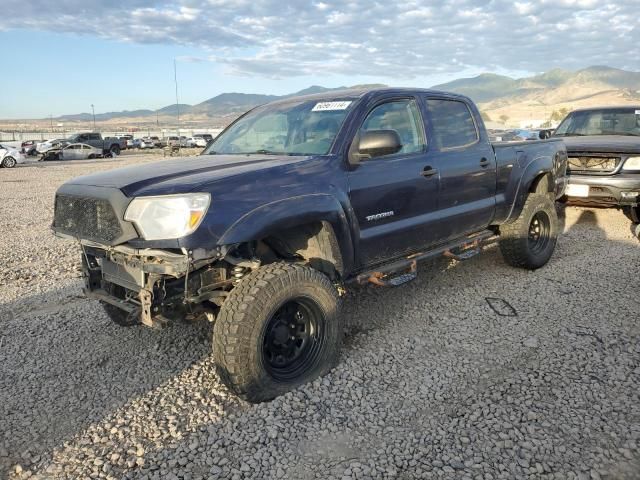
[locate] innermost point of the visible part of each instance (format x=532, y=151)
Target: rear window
x=452, y=123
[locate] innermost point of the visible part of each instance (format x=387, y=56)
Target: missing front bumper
x=154, y=285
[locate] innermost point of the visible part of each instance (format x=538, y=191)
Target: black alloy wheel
x=539, y=232
x=293, y=339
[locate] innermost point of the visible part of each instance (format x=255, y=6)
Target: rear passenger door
x=467, y=166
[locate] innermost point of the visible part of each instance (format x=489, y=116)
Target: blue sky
x=118, y=54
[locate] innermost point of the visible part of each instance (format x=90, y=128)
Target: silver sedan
x=79, y=151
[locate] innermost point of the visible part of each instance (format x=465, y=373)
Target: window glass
x=610, y=121
x=292, y=128
x=453, y=124
x=401, y=116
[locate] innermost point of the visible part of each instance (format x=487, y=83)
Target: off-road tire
x=117, y=315
x=114, y=150
x=8, y=162
x=515, y=242
x=240, y=331
x=632, y=213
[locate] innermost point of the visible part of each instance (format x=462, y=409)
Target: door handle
x=429, y=172
x=484, y=162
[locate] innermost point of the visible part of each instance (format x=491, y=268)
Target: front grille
x=86, y=218
x=593, y=164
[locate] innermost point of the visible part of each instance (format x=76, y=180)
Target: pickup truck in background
x=297, y=200
x=110, y=145
x=603, y=145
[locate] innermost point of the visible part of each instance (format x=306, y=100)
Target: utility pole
x=175, y=78
x=93, y=110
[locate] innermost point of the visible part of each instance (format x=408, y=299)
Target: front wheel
x=276, y=330
x=530, y=241
x=633, y=213
x=8, y=162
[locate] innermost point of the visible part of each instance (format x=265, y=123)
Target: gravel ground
x=473, y=371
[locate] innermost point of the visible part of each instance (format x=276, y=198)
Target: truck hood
x=182, y=174
x=603, y=144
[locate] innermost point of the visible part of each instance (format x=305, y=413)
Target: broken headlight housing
x=168, y=217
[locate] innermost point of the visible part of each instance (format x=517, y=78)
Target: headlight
x=631, y=163
x=169, y=216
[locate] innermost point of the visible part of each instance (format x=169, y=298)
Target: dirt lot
x=475, y=370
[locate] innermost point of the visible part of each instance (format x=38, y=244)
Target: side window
x=94, y=136
x=452, y=123
x=403, y=117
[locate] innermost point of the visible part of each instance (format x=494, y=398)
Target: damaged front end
x=157, y=286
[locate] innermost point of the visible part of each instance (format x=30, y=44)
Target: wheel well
x=543, y=183
x=316, y=243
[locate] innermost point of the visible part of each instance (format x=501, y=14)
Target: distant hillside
x=533, y=100
x=509, y=101
x=488, y=87
x=223, y=105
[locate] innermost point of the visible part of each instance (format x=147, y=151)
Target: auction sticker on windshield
x=324, y=106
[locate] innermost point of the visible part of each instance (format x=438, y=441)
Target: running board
x=404, y=270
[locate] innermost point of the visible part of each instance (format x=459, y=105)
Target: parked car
x=173, y=140
x=604, y=157
x=206, y=136
x=157, y=142
x=28, y=147
x=348, y=192
x=10, y=156
x=56, y=143
x=126, y=141
x=142, y=143
x=196, y=142
x=109, y=145
x=73, y=151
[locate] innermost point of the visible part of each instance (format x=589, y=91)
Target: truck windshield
x=292, y=128
x=609, y=121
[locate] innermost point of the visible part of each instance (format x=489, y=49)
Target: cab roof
x=370, y=91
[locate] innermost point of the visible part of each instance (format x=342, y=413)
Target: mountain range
x=512, y=101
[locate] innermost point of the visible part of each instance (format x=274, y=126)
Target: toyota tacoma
x=294, y=202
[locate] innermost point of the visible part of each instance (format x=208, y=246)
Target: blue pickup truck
x=294, y=202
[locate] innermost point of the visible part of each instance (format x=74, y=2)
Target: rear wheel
x=9, y=162
x=114, y=150
x=530, y=241
x=276, y=330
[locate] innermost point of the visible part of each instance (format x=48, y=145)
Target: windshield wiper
x=265, y=152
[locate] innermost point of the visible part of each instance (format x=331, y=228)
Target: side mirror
x=543, y=134
x=376, y=143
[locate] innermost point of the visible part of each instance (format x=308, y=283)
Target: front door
x=394, y=196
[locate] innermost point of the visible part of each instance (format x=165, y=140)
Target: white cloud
x=360, y=37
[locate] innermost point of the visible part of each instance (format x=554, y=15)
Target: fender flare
x=289, y=213
x=540, y=165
